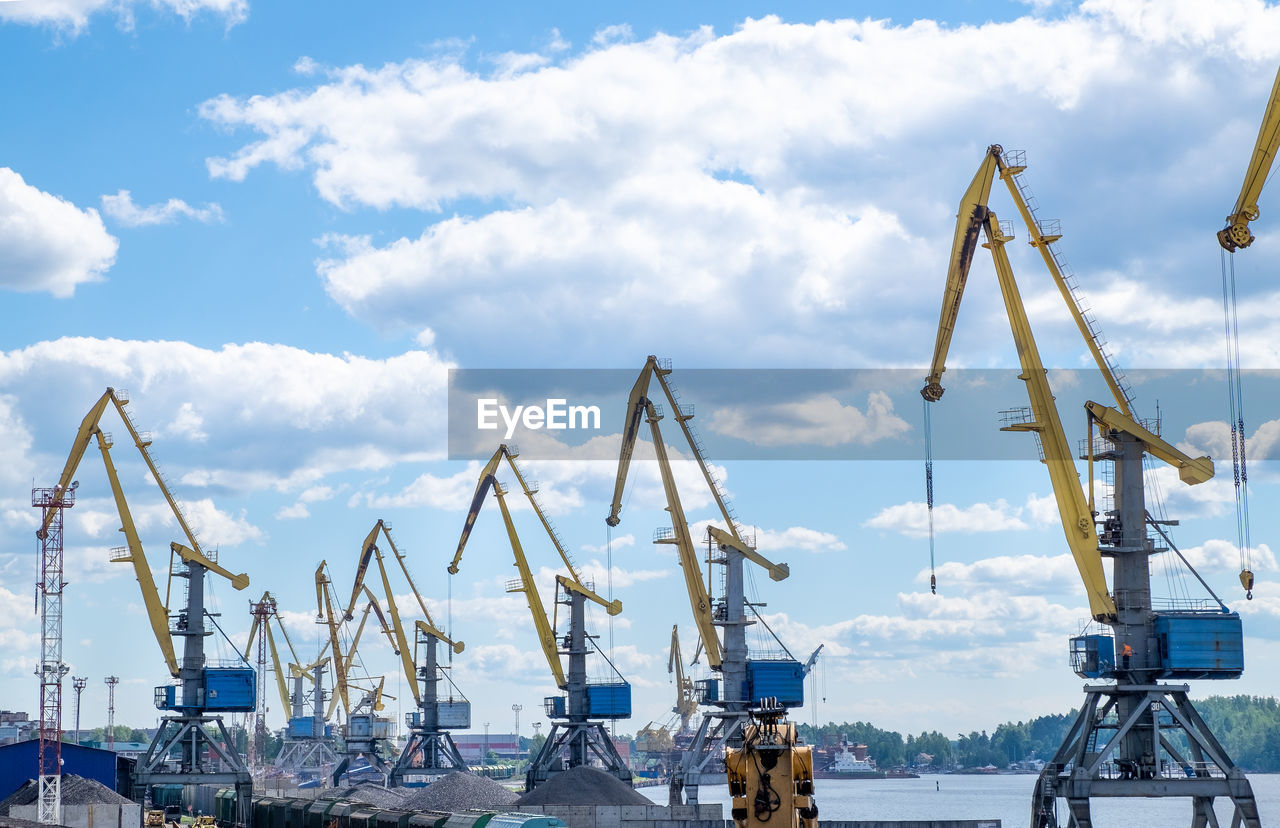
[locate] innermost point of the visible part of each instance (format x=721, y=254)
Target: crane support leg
x=1094, y=761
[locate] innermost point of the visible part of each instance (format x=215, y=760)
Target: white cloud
x=1214, y=438
x=1224, y=556
x=188, y=424
x=297, y=511
x=49, y=244
x=664, y=162
x=912, y=519
x=74, y=14
x=821, y=420
x=121, y=208
x=1024, y=574
x=797, y=538
x=620, y=542
x=294, y=416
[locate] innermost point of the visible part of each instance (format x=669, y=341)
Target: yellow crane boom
x=974, y=219
x=526, y=584
x=641, y=407
x=1237, y=233
x=133, y=553
x=400, y=639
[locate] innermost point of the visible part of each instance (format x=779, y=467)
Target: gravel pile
x=584, y=786
x=459, y=792
x=76, y=790
x=374, y=795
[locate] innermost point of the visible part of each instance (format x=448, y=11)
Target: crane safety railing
x=1050, y=231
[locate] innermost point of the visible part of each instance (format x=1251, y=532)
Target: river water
x=1007, y=798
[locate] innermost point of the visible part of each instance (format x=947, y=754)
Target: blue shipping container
x=1195, y=645
x=302, y=727
x=230, y=689
x=782, y=679
x=455, y=715
x=1093, y=656
x=609, y=701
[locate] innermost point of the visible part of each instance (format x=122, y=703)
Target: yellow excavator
x=771, y=773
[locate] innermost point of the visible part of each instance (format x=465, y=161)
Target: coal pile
x=76, y=790
x=458, y=792
x=375, y=795
x=584, y=786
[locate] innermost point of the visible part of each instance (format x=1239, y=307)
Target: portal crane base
x=586, y=740
x=307, y=758
x=1181, y=757
x=204, y=759
x=379, y=764
x=426, y=753
x=716, y=732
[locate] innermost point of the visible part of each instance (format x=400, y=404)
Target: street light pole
x=516, y=708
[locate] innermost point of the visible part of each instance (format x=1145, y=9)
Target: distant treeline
x=1247, y=726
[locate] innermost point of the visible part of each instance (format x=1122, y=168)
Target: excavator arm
x=1237, y=233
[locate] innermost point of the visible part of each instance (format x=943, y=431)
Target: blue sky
x=280, y=225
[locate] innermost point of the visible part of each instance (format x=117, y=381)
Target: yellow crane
x=686, y=705
x=1237, y=233
x=575, y=730
x=429, y=750
x=743, y=679
x=1120, y=723
x=365, y=732
x=206, y=750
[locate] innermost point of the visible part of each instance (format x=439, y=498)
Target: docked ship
x=850, y=764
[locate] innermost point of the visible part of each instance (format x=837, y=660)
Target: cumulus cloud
x=620, y=542
x=293, y=416
x=74, y=15
x=821, y=420
x=121, y=208
x=912, y=519
x=665, y=163
x=50, y=244
x=797, y=538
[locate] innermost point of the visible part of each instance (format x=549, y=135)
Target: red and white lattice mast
x=51, y=503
